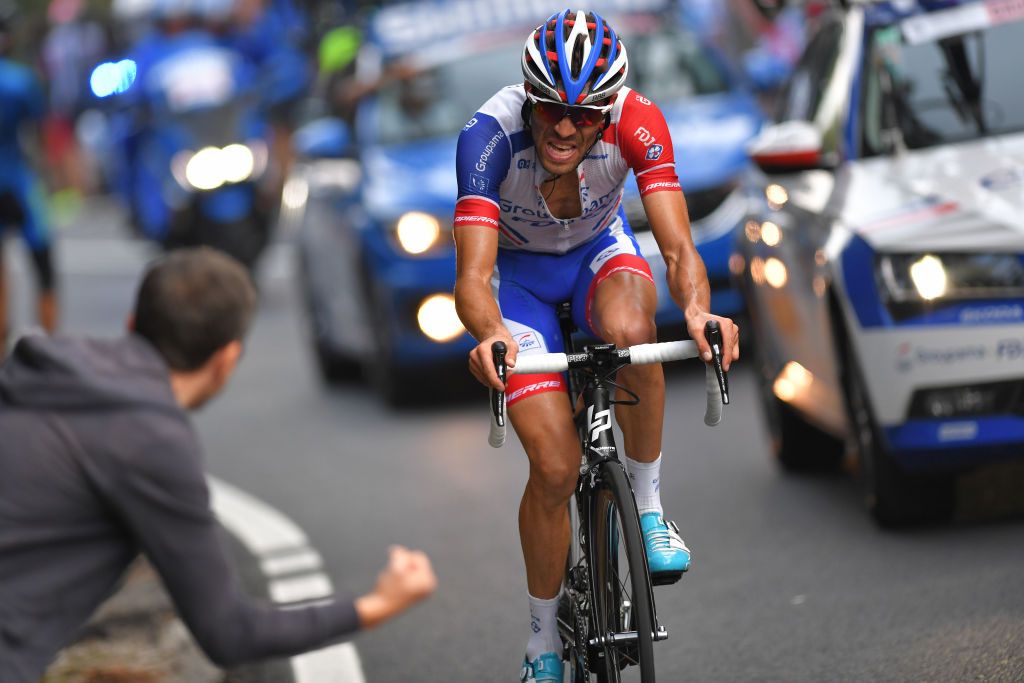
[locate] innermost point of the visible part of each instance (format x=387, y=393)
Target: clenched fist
x=405, y=580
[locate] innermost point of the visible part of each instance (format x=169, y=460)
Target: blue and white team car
x=883, y=257
x=375, y=236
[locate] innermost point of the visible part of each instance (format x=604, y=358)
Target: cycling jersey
x=543, y=260
x=499, y=176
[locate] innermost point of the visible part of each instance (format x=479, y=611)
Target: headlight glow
x=203, y=171
x=237, y=163
x=417, y=232
x=914, y=284
x=438, y=319
x=929, y=277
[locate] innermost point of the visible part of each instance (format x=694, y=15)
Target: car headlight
x=418, y=233
x=211, y=167
x=911, y=281
x=438, y=318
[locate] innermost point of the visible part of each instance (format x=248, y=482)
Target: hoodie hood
x=62, y=373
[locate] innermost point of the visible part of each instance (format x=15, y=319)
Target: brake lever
x=498, y=351
x=713, y=334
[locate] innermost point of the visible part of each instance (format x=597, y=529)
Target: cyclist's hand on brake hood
x=481, y=362
x=695, y=320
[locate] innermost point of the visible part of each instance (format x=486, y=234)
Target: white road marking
x=282, y=547
x=304, y=560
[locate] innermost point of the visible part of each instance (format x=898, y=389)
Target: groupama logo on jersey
x=654, y=152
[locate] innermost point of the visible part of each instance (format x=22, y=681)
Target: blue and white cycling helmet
x=575, y=57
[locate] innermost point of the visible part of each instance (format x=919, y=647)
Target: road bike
x=607, y=615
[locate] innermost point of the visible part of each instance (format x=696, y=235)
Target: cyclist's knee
x=554, y=478
x=630, y=329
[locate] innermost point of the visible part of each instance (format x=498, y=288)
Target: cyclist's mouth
x=560, y=152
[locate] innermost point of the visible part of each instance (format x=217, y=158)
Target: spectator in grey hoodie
x=98, y=461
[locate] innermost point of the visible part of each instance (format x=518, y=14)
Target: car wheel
x=334, y=367
x=397, y=386
x=797, y=446
x=893, y=497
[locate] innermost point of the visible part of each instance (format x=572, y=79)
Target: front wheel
x=622, y=618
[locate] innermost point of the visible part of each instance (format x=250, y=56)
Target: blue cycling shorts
x=528, y=287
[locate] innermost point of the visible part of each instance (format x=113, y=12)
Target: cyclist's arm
x=646, y=146
x=482, y=161
x=477, y=249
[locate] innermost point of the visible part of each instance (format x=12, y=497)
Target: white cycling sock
x=646, y=480
x=543, y=627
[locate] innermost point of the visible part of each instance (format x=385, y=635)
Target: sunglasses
x=551, y=112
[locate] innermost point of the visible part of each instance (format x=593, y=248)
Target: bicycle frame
x=597, y=440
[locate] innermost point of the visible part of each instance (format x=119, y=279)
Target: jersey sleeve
x=481, y=161
x=646, y=145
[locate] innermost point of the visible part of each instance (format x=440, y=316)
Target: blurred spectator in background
x=22, y=107
x=73, y=45
x=273, y=35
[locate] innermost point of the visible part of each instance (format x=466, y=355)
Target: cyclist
x=21, y=197
x=541, y=169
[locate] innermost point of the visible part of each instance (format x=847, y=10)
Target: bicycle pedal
x=666, y=578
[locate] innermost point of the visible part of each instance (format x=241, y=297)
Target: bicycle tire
x=616, y=545
x=573, y=609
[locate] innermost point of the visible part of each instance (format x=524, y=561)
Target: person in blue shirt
x=22, y=103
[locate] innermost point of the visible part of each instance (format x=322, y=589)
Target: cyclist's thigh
x=615, y=253
x=533, y=324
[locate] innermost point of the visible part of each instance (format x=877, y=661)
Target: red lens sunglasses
x=551, y=112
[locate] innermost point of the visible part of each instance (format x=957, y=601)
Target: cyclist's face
x=561, y=145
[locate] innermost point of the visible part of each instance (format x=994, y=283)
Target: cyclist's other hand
x=695, y=322
x=407, y=579
x=481, y=360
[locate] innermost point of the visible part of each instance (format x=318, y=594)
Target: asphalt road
x=791, y=581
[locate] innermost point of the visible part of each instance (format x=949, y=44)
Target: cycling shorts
x=528, y=287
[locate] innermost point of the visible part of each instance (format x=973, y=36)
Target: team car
x=882, y=260
x=377, y=254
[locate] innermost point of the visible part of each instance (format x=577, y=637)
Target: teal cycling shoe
x=667, y=555
x=547, y=667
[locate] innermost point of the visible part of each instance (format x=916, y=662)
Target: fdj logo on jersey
x=654, y=152
x=600, y=422
x=645, y=136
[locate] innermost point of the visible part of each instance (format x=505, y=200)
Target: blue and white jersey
x=499, y=176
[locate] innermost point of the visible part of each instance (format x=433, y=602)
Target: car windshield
x=666, y=64
x=952, y=89
x=437, y=102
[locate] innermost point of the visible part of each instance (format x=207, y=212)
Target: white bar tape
x=642, y=354
x=535, y=363
x=713, y=412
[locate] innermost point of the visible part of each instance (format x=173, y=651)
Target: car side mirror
x=789, y=147
x=323, y=138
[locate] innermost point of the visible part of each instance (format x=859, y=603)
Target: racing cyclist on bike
x=541, y=170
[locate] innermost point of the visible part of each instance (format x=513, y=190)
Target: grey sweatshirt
x=98, y=462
